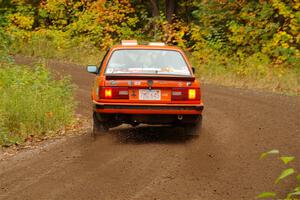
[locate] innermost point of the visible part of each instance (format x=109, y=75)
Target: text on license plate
x=149, y=94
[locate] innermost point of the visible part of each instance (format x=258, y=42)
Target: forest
x=231, y=27
x=252, y=44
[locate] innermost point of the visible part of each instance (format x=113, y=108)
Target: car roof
x=165, y=47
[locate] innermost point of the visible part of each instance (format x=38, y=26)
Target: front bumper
x=175, y=109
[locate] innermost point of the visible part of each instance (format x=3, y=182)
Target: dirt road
x=162, y=163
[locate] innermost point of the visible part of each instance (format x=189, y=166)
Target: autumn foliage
x=253, y=39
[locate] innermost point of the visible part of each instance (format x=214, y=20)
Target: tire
x=97, y=127
x=194, y=129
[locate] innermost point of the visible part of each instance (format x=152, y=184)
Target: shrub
x=4, y=46
x=32, y=103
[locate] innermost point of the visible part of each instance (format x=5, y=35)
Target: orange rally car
x=145, y=84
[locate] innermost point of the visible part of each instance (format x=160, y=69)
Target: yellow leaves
x=132, y=21
x=246, y=27
x=195, y=33
x=54, y=5
x=291, y=17
x=21, y=21
x=18, y=2
x=285, y=45
x=174, y=33
x=118, y=19
x=294, y=26
x=280, y=39
x=296, y=4
x=282, y=8
x=298, y=38
x=284, y=35
x=115, y=11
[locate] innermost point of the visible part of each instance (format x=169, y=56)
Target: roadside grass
x=54, y=44
x=288, y=83
x=254, y=72
x=32, y=103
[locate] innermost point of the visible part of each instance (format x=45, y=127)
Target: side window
x=100, y=66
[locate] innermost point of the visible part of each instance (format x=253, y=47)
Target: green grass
x=32, y=103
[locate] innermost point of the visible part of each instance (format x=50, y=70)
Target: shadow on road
x=150, y=134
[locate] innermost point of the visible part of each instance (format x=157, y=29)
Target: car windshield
x=168, y=62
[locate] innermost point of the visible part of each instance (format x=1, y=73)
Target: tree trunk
x=170, y=9
x=155, y=10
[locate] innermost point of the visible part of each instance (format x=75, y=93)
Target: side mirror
x=92, y=69
x=194, y=70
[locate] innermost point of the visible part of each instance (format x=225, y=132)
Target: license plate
x=149, y=94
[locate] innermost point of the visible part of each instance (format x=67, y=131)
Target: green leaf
x=297, y=189
x=285, y=173
x=293, y=194
x=266, y=195
x=298, y=177
x=287, y=159
x=274, y=151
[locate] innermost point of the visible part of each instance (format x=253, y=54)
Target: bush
x=32, y=103
x=4, y=47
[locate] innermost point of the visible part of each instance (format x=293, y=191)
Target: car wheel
x=97, y=127
x=194, y=129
